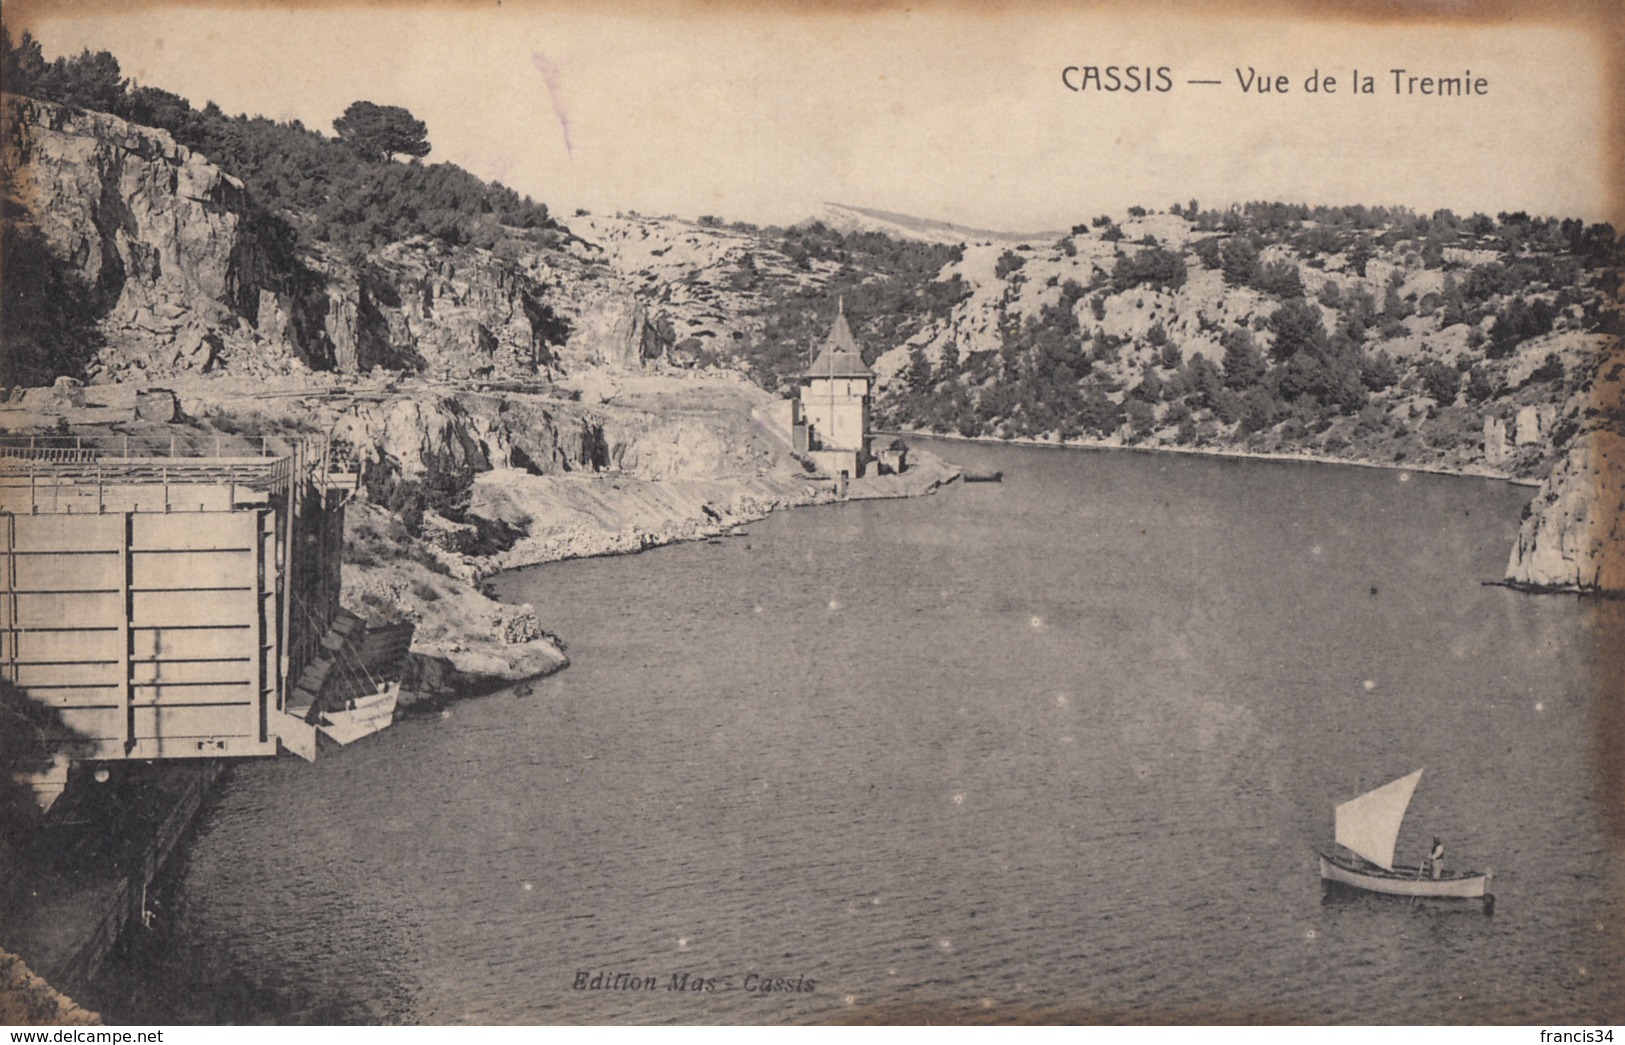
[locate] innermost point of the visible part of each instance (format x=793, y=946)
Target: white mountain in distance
x=847, y=218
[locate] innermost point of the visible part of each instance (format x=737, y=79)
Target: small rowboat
x=363, y=716
x=984, y=477
x=1367, y=829
x=1405, y=881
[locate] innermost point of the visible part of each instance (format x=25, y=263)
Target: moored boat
x=983, y=477
x=362, y=716
x=1367, y=829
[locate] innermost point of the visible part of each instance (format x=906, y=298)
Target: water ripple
x=1063, y=753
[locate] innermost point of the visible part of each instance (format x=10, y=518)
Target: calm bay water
x=1059, y=748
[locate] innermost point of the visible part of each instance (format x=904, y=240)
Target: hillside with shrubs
x=239, y=246
x=1366, y=333
x=1371, y=334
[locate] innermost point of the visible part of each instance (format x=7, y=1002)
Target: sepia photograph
x=543, y=513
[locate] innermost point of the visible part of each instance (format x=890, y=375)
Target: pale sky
x=940, y=112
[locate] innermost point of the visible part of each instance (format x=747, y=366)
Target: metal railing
x=118, y=445
x=38, y=463
x=270, y=472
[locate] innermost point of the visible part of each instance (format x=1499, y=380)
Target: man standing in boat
x=1436, y=857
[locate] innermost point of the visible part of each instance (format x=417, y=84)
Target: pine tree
x=381, y=132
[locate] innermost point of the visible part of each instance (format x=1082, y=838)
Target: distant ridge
x=848, y=218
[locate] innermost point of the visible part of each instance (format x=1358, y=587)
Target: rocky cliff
x=1573, y=533
x=652, y=459
x=1086, y=339
x=1158, y=353
x=146, y=220
x=423, y=305
x=186, y=275
x=190, y=277
x=157, y=232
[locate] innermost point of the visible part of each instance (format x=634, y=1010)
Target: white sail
x=1369, y=825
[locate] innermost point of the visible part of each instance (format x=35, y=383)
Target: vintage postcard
x=539, y=513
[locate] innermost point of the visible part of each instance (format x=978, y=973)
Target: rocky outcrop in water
x=1573, y=533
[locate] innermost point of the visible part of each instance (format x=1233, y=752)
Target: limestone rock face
x=1573, y=533
x=338, y=320
x=458, y=311
x=152, y=225
x=608, y=326
x=418, y=436
x=182, y=280
x=186, y=276
x=687, y=448
x=474, y=431
x=1532, y=424
x=161, y=235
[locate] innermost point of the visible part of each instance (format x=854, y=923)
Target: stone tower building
x=835, y=397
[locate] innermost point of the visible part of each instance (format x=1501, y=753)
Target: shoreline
x=1298, y=458
x=461, y=650
x=716, y=519
x=1525, y=588
x=931, y=474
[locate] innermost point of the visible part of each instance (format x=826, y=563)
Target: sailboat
x=1367, y=829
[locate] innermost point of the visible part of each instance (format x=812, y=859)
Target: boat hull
x=1403, y=881
x=368, y=715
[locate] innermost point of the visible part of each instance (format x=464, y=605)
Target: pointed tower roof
x=840, y=356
